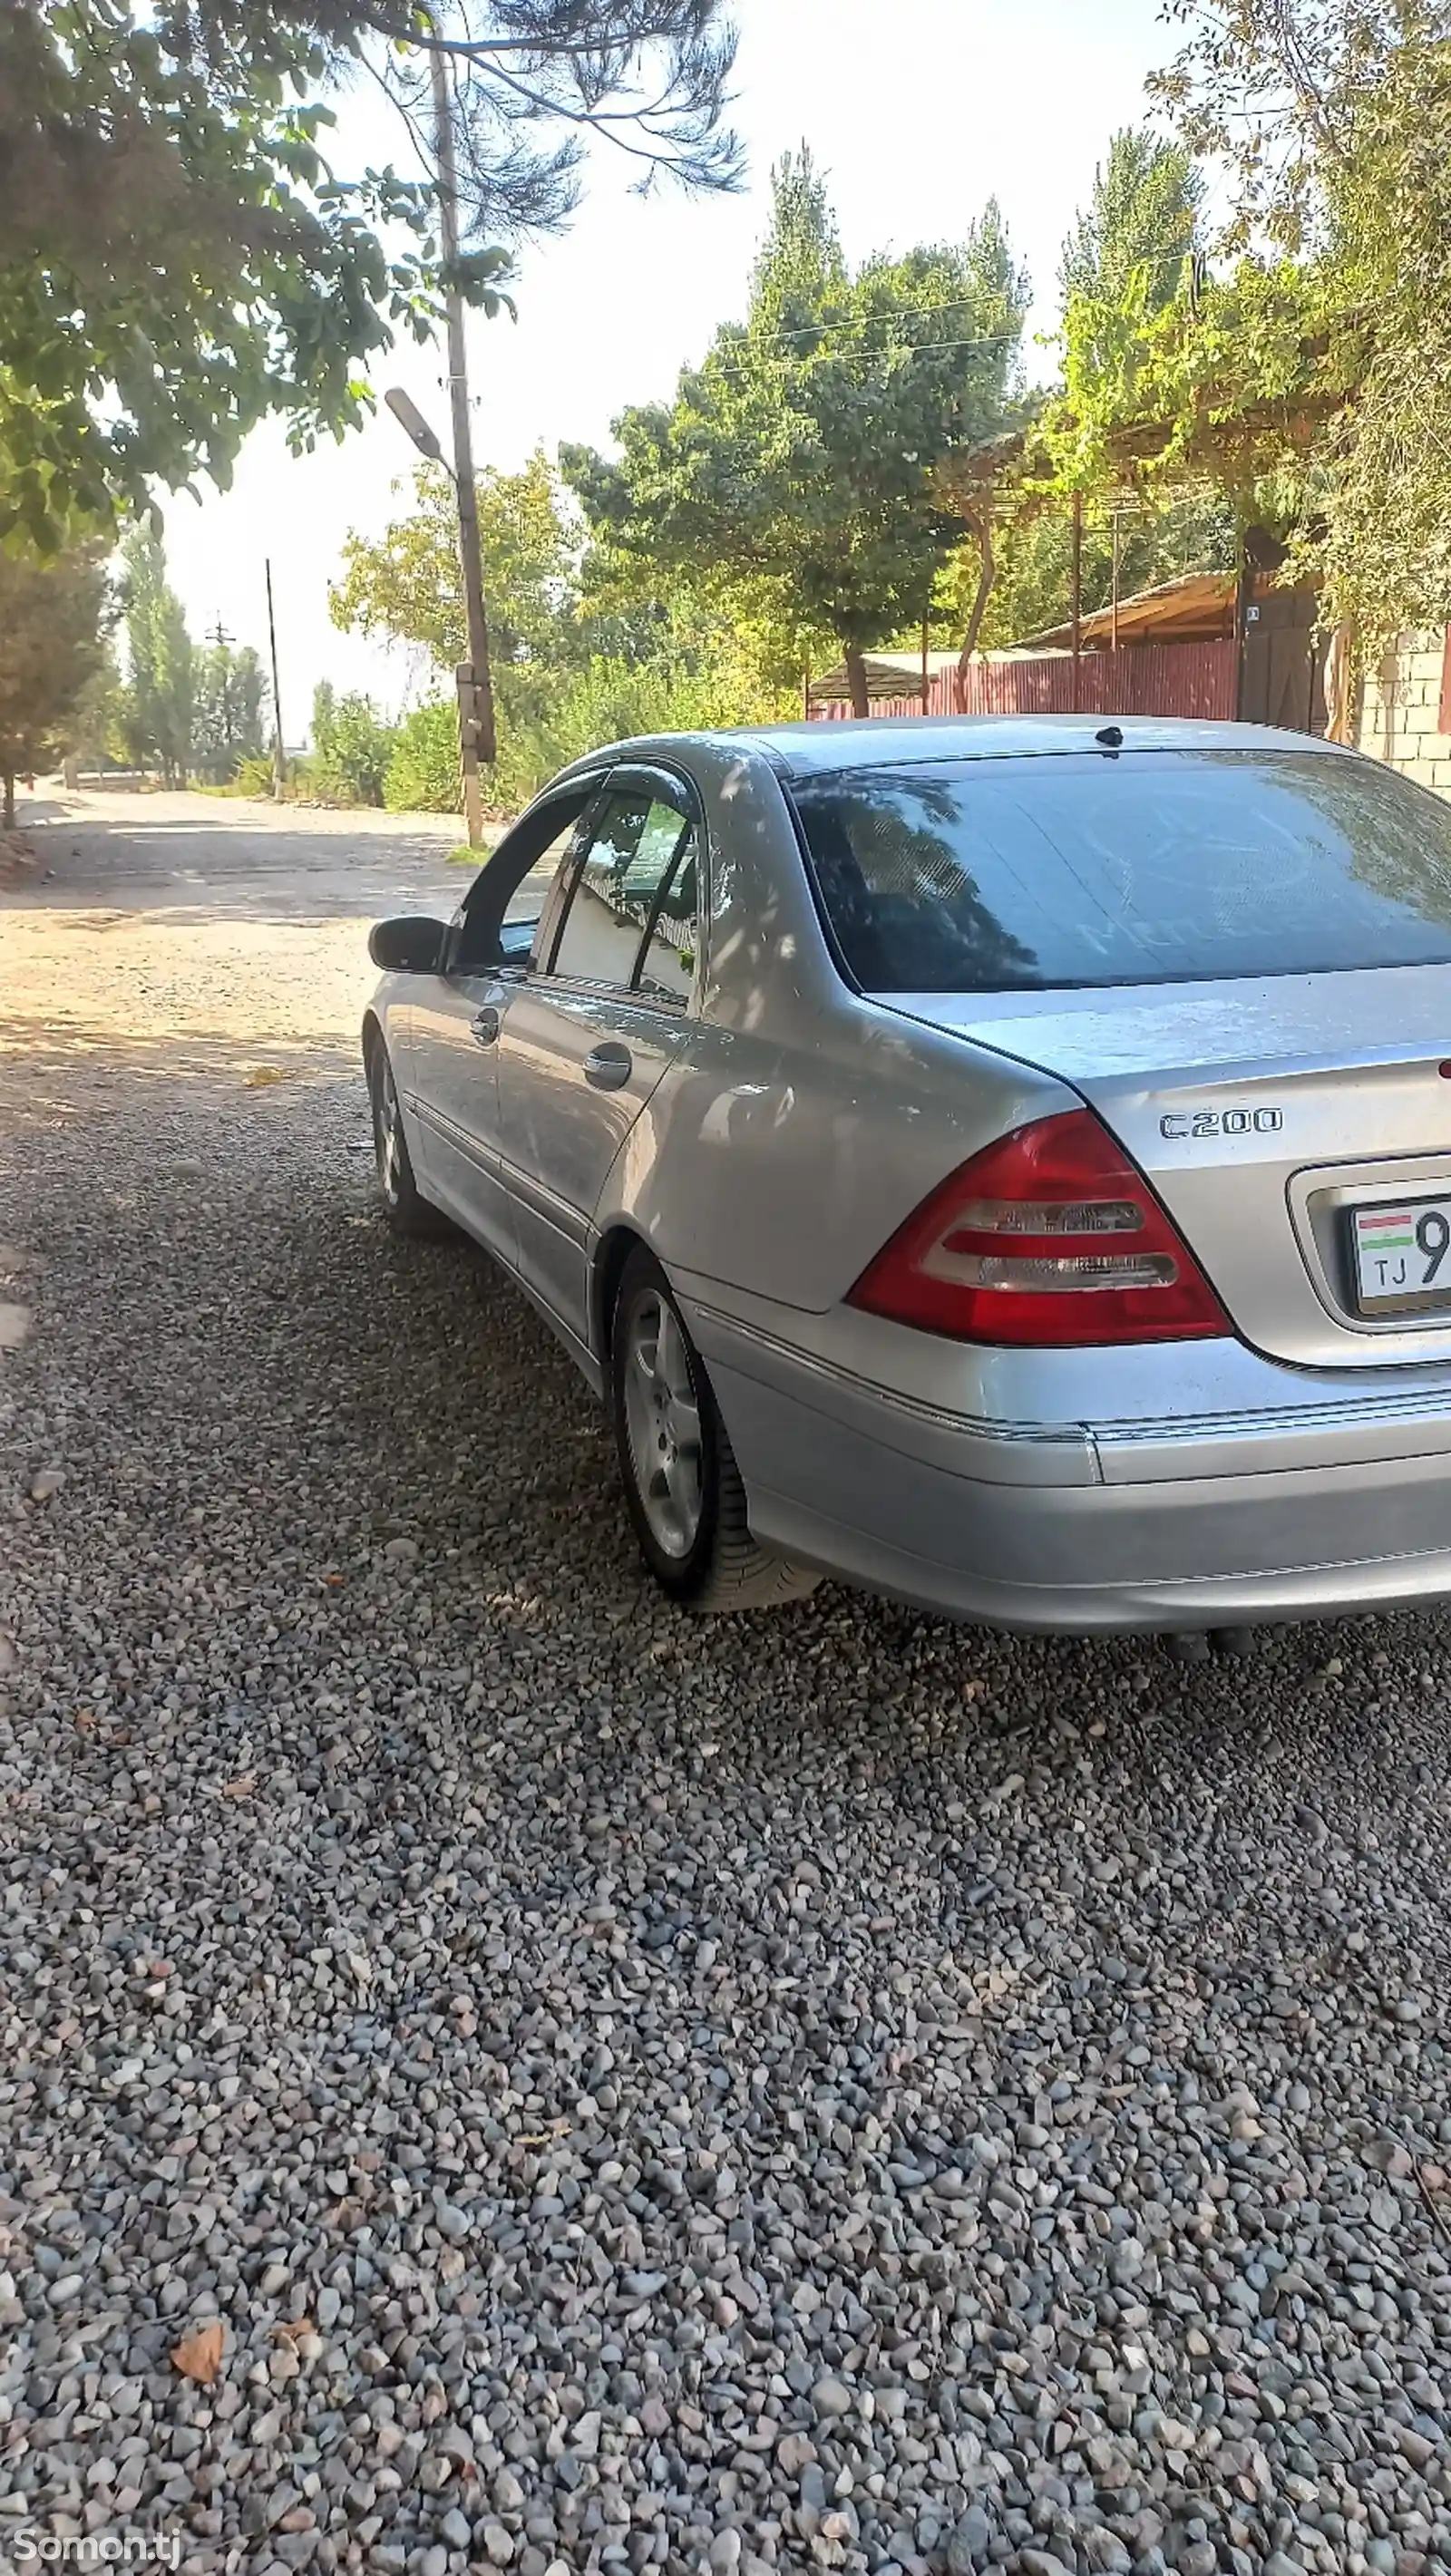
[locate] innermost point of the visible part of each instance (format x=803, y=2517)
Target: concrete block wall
x=1400, y=719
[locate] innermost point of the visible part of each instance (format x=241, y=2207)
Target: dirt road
x=189, y=916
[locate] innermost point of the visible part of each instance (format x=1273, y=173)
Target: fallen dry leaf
x=199, y=2356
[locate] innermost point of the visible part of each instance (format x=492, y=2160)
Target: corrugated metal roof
x=1194, y=607
x=886, y=672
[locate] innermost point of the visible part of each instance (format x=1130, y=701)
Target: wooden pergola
x=1011, y=477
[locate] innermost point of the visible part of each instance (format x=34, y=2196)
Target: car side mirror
x=412, y=944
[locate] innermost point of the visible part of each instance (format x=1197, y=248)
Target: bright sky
x=918, y=111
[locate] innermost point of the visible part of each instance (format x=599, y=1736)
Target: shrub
x=351, y=750
x=422, y=776
x=253, y=776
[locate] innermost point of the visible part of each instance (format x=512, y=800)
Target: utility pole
x=477, y=740
x=1077, y=593
x=218, y=635
x=279, y=757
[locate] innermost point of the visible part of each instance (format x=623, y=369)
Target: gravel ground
x=583, y=2089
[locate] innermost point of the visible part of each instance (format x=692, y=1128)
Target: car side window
x=665, y=969
x=618, y=895
x=482, y=936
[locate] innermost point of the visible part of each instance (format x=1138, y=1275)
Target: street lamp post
x=475, y=703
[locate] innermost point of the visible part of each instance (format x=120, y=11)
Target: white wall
x=1400, y=711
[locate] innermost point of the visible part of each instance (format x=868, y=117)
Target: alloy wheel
x=387, y=1134
x=662, y=1420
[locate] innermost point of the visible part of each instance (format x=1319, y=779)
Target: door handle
x=609, y=1066
x=485, y=1025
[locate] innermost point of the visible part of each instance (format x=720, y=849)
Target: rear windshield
x=986, y=876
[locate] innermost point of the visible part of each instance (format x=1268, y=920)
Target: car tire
x=682, y=1484
x=407, y=1211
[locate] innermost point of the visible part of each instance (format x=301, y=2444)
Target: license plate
x=1402, y=1255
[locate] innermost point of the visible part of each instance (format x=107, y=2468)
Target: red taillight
x=1048, y=1237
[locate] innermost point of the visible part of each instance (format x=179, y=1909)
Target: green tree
x=576, y=662
x=178, y=257
x=405, y=584
x=1323, y=361
x=161, y=698
x=52, y=649
x=230, y=694
x=793, y=478
x=422, y=776
x=1129, y=251
x=157, y=712
x=351, y=747
x=251, y=703
x=93, y=735
x=1144, y=213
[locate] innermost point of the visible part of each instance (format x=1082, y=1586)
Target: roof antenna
x=1111, y=737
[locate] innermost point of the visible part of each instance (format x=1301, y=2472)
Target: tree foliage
x=1126, y=259
x=351, y=748
x=574, y=662
x=1323, y=360
x=422, y=776
x=792, y=478
x=1278, y=92
x=52, y=622
x=157, y=707
x=178, y=257
x=1307, y=380
x=1128, y=251
x=93, y=732
x=406, y=584
x=230, y=696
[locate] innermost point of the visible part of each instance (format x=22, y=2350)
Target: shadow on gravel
x=1031, y=2012
x=404, y=1397
x=444, y=1362
x=400, y=1441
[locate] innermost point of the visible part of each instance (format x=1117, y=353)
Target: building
x=1403, y=713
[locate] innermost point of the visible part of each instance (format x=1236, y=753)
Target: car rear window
x=1082, y=869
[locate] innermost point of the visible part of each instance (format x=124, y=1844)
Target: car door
x=456, y=1017
x=604, y=1009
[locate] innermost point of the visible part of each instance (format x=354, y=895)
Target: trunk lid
x=1263, y=1112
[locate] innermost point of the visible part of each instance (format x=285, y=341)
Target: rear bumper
x=1199, y=1518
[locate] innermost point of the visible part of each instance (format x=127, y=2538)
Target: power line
x=890, y=349
x=921, y=312
x=893, y=349
x=864, y=321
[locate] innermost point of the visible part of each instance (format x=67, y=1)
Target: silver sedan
x=1005, y=1163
